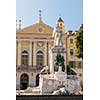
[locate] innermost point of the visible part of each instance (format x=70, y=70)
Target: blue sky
x=71, y=12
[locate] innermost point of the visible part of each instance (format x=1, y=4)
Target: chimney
x=18, y=24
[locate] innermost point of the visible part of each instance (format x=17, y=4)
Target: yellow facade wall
x=16, y=52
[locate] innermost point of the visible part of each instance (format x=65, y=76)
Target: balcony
x=29, y=67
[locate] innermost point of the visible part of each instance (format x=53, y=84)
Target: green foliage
x=72, y=64
x=79, y=43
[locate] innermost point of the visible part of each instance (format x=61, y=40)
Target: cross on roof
x=40, y=12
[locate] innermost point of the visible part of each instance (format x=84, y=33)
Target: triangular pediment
x=37, y=28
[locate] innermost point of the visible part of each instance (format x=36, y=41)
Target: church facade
x=32, y=51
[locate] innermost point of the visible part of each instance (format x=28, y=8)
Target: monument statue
x=57, y=37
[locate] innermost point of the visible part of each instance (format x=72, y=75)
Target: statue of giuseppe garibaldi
x=57, y=37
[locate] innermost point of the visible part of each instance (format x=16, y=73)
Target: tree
x=79, y=43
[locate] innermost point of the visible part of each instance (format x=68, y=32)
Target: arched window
x=25, y=58
x=39, y=58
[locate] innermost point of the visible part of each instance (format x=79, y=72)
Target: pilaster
x=19, y=53
x=30, y=54
x=34, y=55
x=45, y=58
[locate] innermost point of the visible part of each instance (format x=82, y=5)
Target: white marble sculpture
x=57, y=37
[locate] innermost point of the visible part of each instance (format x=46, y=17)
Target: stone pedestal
x=60, y=75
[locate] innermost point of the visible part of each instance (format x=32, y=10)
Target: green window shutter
x=71, y=52
x=72, y=64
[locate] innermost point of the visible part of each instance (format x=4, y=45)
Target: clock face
x=40, y=44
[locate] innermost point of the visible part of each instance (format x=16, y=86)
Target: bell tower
x=60, y=24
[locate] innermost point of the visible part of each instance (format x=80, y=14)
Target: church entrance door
x=24, y=81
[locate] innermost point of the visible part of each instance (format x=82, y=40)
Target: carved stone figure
x=57, y=37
